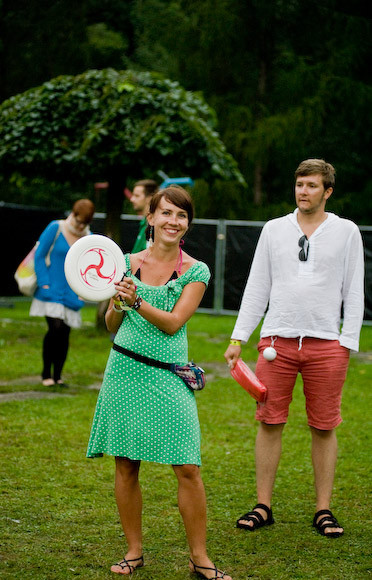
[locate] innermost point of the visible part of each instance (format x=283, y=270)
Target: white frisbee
x=92, y=266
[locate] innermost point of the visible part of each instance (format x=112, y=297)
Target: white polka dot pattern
x=143, y=412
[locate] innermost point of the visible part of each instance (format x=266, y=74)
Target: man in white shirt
x=307, y=267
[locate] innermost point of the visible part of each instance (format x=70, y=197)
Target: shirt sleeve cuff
x=349, y=343
x=239, y=336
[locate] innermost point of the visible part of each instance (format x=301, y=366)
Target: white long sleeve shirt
x=305, y=298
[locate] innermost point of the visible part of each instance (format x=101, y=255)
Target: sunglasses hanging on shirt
x=303, y=242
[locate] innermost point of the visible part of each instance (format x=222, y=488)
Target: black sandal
x=256, y=518
x=328, y=521
x=124, y=563
x=218, y=576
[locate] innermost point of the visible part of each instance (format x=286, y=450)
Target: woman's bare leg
x=129, y=501
x=193, y=509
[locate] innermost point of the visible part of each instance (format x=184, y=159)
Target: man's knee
x=272, y=429
x=322, y=433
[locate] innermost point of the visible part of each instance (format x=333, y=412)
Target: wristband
x=123, y=306
x=118, y=306
x=235, y=342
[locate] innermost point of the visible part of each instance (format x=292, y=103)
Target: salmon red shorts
x=323, y=365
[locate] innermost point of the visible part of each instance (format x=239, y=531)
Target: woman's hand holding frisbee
x=92, y=265
x=126, y=291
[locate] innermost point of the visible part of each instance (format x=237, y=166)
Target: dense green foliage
x=288, y=80
x=94, y=122
x=108, y=126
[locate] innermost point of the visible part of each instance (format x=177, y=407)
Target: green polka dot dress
x=143, y=412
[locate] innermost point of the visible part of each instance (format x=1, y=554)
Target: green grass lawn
x=58, y=513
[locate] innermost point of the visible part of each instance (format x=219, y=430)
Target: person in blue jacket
x=53, y=297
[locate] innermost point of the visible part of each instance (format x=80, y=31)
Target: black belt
x=143, y=359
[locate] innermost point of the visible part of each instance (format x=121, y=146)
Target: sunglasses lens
x=304, y=245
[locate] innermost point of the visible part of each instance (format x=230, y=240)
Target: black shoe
x=256, y=518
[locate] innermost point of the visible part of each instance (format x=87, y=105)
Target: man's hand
x=232, y=354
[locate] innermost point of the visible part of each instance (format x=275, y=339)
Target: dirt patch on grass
x=24, y=395
x=216, y=370
x=34, y=381
x=363, y=357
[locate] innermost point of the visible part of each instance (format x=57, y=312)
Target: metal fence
x=227, y=246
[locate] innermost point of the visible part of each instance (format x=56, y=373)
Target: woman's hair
x=313, y=166
x=85, y=209
x=176, y=195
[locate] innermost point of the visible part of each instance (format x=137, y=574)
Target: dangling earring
x=151, y=239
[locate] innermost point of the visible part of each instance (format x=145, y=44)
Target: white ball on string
x=269, y=353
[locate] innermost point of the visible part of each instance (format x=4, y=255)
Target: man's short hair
x=149, y=186
x=312, y=166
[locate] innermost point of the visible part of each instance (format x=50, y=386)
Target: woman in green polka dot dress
x=148, y=413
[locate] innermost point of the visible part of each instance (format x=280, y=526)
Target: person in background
x=146, y=413
x=142, y=193
x=308, y=265
x=54, y=298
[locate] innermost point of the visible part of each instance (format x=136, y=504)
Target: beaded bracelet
x=137, y=303
x=235, y=342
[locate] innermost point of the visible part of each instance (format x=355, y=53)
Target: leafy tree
x=105, y=45
x=110, y=126
x=40, y=40
x=287, y=79
x=287, y=82
x=110, y=33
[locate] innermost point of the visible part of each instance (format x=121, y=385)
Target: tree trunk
x=261, y=94
x=257, y=186
x=100, y=315
x=114, y=206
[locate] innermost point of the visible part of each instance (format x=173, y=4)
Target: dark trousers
x=55, y=347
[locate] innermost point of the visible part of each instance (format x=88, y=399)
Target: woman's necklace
x=179, y=261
